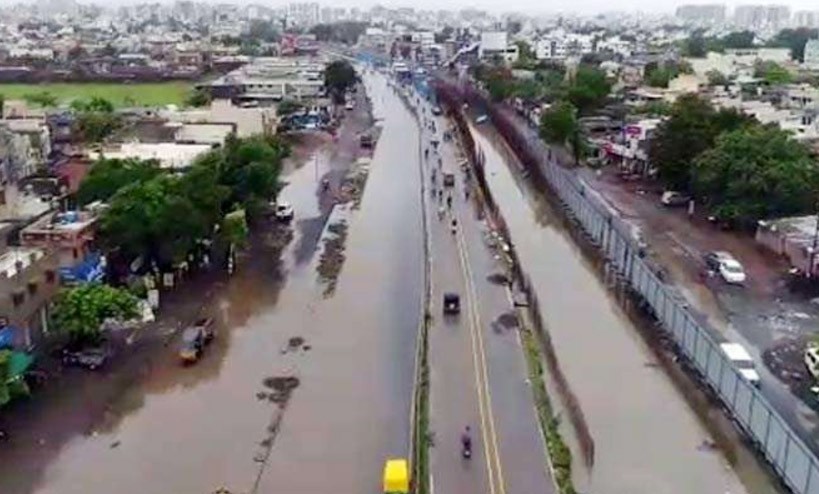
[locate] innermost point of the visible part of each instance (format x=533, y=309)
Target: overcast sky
x=582, y=6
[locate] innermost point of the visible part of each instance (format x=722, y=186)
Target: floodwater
x=194, y=430
x=646, y=437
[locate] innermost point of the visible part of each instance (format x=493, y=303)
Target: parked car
x=194, y=340
x=449, y=180
x=436, y=110
x=350, y=105
x=728, y=268
x=88, y=358
x=452, y=303
x=481, y=119
x=283, y=212
x=672, y=199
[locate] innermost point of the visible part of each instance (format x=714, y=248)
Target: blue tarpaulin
x=7, y=336
x=90, y=269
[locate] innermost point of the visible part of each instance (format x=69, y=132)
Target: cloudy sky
x=584, y=6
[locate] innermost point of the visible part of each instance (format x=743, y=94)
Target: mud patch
x=333, y=256
x=352, y=186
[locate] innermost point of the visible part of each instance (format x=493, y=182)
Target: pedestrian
x=466, y=193
x=449, y=202
x=454, y=225
x=440, y=213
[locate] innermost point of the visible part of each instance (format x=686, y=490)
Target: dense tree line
x=741, y=170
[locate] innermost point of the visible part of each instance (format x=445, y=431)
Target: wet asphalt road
x=197, y=429
x=646, y=437
x=478, y=372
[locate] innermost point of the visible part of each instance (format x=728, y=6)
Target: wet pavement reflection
x=196, y=429
x=646, y=437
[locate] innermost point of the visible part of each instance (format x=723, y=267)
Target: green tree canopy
x=716, y=78
x=339, y=76
x=198, y=98
x=107, y=176
x=757, y=172
x=588, y=89
x=691, y=129
x=559, y=123
x=738, y=39
x=772, y=73
x=346, y=32
x=41, y=98
x=94, y=104
x=153, y=220
x=288, y=107
x=79, y=311
x=94, y=126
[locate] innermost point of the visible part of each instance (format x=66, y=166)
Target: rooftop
x=17, y=259
x=169, y=154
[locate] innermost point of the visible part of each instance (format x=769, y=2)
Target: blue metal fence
x=792, y=460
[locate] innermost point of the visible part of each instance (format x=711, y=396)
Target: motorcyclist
x=466, y=441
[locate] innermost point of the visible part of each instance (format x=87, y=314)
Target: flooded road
x=646, y=437
x=194, y=430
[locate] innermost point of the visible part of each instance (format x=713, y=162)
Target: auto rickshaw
x=396, y=476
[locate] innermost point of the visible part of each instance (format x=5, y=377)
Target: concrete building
x=303, y=14
x=806, y=18
x=705, y=13
x=28, y=283
x=496, y=44
x=754, y=17
x=170, y=155
x=550, y=48
x=70, y=235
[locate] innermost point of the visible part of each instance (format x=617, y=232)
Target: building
x=792, y=238
x=303, y=14
x=550, y=48
x=806, y=18
x=496, y=44
x=170, y=155
x=705, y=13
x=755, y=17
x=70, y=235
x=812, y=54
x=28, y=283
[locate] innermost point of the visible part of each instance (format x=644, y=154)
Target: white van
x=742, y=360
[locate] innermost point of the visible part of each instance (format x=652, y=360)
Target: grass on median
x=559, y=453
x=422, y=437
x=120, y=94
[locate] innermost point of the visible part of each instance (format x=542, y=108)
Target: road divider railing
x=419, y=414
x=791, y=459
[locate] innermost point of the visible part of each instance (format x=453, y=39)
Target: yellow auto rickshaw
x=396, y=476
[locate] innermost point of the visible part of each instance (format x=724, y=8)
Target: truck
x=742, y=361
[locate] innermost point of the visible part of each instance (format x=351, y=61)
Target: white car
x=812, y=359
x=742, y=360
x=349, y=106
x=729, y=268
x=284, y=211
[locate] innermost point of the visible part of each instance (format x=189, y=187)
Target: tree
x=198, y=97
x=559, y=123
x=288, y=107
x=346, y=32
x=339, y=76
x=108, y=176
x=795, y=39
x=691, y=129
x=695, y=46
x=95, y=104
x=588, y=89
x=94, y=126
x=526, y=56
x=263, y=30
x=773, y=73
x=41, y=98
x=716, y=78
x=80, y=311
x=152, y=220
x=756, y=172
x=738, y=40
